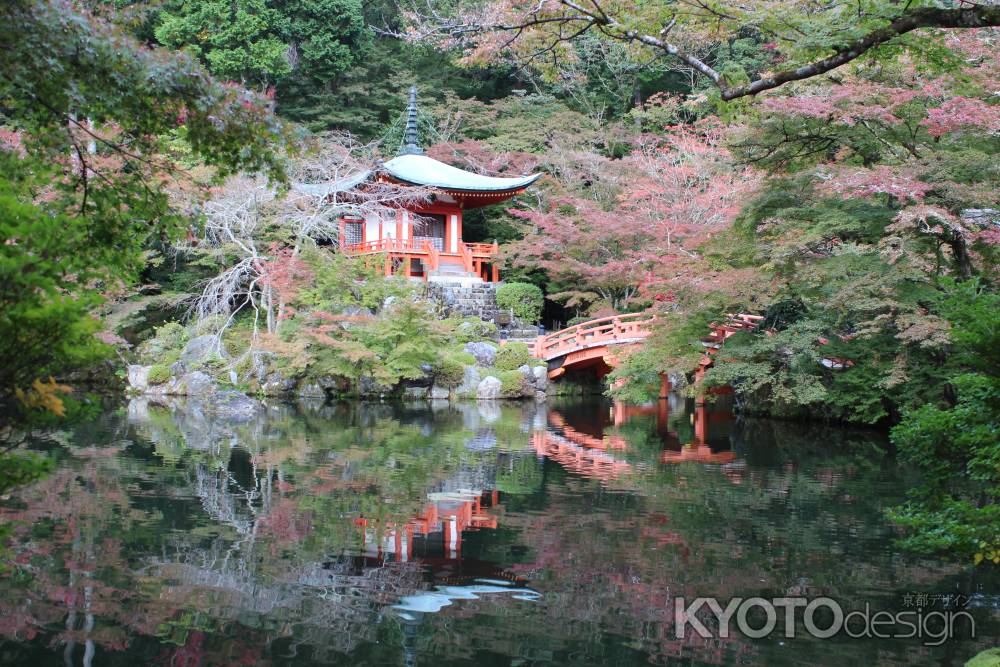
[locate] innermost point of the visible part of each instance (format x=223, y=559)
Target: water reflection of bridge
x=602, y=455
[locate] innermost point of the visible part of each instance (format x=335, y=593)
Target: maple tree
x=86, y=174
x=804, y=41
x=665, y=199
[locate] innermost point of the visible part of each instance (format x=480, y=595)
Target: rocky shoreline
x=194, y=375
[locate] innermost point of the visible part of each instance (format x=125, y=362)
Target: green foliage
x=512, y=383
x=449, y=370
x=368, y=99
x=301, y=42
x=512, y=356
x=473, y=330
x=956, y=446
x=84, y=178
x=159, y=374
x=165, y=346
x=395, y=346
x=988, y=658
x=44, y=329
x=22, y=468
x=340, y=282
x=524, y=299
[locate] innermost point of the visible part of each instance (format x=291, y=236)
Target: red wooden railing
x=466, y=254
x=433, y=257
x=602, y=331
x=386, y=245
x=484, y=249
x=465, y=250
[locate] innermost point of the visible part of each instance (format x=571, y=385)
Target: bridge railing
x=605, y=330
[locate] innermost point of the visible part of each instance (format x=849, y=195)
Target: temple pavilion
x=425, y=241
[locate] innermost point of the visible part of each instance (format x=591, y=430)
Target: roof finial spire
x=411, y=138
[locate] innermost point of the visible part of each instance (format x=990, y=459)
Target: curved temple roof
x=414, y=168
x=423, y=170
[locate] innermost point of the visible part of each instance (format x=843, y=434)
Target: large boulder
x=470, y=381
x=489, y=388
x=202, y=349
x=310, y=389
x=233, y=405
x=369, y=388
x=197, y=384
x=439, y=393
x=138, y=377
x=276, y=384
x=540, y=376
x=485, y=353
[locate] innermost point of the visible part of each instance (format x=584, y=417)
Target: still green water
x=460, y=535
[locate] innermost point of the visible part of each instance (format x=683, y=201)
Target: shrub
x=511, y=384
x=164, y=347
x=158, y=374
x=473, y=330
x=209, y=325
x=449, y=371
x=171, y=335
x=524, y=299
x=512, y=356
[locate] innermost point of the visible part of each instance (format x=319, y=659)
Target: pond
x=513, y=534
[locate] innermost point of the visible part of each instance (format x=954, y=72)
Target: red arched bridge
x=600, y=345
x=596, y=344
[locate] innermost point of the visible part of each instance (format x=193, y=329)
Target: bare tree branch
x=430, y=23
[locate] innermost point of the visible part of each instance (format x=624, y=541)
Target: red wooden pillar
x=700, y=424
x=664, y=386
x=662, y=416
x=343, y=233
x=496, y=273
x=388, y=264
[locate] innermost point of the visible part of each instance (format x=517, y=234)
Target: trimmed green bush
x=158, y=374
x=512, y=356
x=524, y=299
x=511, y=384
x=165, y=346
x=474, y=330
x=449, y=371
x=172, y=335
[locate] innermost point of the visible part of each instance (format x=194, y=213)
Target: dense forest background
x=855, y=206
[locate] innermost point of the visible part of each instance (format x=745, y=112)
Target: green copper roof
x=411, y=137
x=423, y=170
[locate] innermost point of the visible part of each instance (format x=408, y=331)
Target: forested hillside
x=834, y=169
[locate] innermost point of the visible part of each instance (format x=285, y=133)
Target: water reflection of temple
x=437, y=531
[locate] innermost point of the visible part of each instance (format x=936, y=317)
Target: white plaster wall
x=371, y=228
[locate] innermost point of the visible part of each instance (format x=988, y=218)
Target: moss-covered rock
x=988, y=658
x=158, y=374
